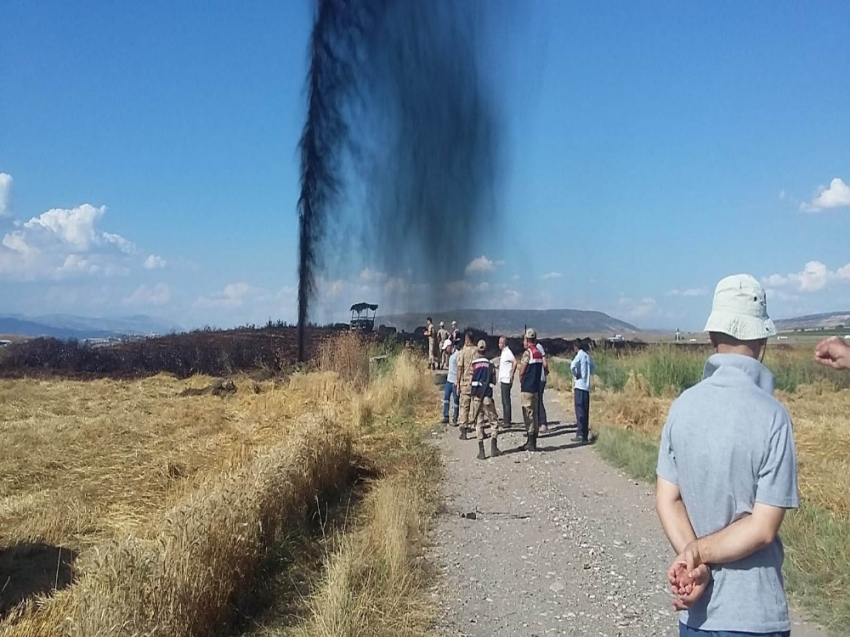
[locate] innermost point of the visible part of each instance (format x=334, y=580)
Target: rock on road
x=559, y=544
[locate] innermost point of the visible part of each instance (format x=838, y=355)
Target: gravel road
x=552, y=543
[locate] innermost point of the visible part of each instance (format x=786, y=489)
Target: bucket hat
x=739, y=309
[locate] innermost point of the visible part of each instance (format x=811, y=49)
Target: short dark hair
x=429, y=319
x=469, y=336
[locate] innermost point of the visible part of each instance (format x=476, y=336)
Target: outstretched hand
x=833, y=352
x=688, y=577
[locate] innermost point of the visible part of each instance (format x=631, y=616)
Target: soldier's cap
x=442, y=324
x=530, y=333
x=446, y=344
x=454, y=322
x=482, y=346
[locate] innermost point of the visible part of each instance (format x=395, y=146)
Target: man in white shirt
x=507, y=371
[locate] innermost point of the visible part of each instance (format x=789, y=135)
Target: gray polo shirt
x=727, y=444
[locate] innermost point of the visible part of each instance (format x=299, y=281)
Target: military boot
x=462, y=435
x=494, y=449
x=481, y=455
x=531, y=445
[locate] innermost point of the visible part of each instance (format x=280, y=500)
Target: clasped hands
x=688, y=576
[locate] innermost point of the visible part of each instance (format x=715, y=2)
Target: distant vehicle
x=4, y=342
x=361, y=319
x=617, y=338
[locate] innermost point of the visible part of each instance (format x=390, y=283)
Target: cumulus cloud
x=154, y=262
x=144, y=295
x=232, y=296
x=5, y=187
x=837, y=195
x=815, y=276
x=552, y=275
x=62, y=242
x=637, y=308
x=368, y=275
x=480, y=265
x=688, y=292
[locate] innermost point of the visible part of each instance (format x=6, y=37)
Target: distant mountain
x=81, y=327
x=548, y=323
x=814, y=321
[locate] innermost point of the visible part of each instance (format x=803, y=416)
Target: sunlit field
x=135, y=507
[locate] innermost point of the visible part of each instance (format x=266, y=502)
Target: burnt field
x=266, y=351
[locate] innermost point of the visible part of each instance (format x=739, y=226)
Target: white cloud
x=688, y=292
x=515, y=277
x=637, y=308
x=479, y=265
x=837, y=195
x=552, y=275
x=5, y=187
x=63, y=242
x=232, y=296
x=782, y=195
x=814, y=277
x=158, y=294
x=154, y=262
x=368, y=275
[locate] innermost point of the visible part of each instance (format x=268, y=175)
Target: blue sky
x=148, y=160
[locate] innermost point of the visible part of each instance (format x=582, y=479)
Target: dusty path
x=560, y=543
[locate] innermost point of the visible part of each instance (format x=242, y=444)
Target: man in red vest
x=531, y=367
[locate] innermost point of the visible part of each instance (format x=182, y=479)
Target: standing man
x=431, y=333
x=483, y=379
x=455, y=336
x=543, y=421
x=507, y=371
x=582, y=369
x=530, y=371
x=727, y=472
x=464, y=382
x=442, y=335
x=450, y=391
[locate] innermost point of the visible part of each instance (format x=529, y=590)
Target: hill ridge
x=549, y=323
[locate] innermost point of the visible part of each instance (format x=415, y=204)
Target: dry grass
x=173, y=502
x=373, y=581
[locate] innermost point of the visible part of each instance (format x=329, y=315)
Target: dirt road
x=559, y=544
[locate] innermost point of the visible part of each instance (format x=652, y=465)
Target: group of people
x=727, y=464
x=472, y=378
x=438, y=358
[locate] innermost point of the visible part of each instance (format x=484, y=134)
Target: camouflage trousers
x=531, y=412
x=465, y=400
x=485, y=410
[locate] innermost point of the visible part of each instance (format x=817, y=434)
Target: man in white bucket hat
x=727, y=472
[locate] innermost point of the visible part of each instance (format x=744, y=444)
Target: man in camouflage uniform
x=464, y=382
x=530, y=373
x=483, y=379
x=431, y=333
x=442, y=337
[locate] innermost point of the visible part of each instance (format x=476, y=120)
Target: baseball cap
x=530, y=333
x=446, y=343
x=442, y=324
x=482, y=346
x=739, y=309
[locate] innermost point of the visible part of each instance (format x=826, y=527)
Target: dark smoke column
x=398, y=109
x=319, y=146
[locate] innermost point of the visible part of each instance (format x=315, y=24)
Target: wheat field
x=158, y=507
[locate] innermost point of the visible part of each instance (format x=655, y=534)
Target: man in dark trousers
x=582, y=369
x=507, y=371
